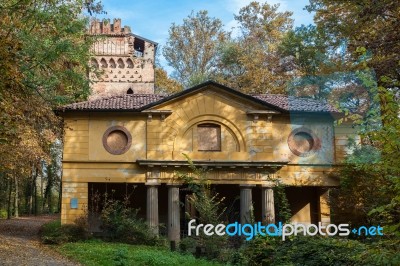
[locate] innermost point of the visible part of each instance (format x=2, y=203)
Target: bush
x=3, y=213
x=210, y=209
x=188, y=245
x=322, y=251
x=120, y=223
x=96, y=252
x=55, y=233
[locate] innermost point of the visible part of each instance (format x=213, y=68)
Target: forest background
x=349, y=58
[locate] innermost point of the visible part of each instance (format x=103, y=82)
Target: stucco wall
x=343, y=133
x=244, y=137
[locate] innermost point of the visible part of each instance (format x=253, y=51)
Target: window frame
x=219, y=136
x=123, y=130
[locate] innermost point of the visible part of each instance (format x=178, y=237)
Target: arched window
x=129, y=91
x=129, y=63
x=120, y=63
x=103, y=63
x=94, y=63
x=112, y=63
x=209, y=137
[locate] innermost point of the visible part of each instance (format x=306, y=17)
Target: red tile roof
x=139, y=102
x=125, y=102
x=296, y=104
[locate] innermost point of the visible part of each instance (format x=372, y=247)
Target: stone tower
x=125, y=60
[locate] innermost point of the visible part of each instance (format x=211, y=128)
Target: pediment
x=214, y=96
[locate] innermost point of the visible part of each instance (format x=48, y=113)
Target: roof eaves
x=144, y=39
x=65, y=110
x=213, y=83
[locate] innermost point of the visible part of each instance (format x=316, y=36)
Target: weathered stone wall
x=121, y=61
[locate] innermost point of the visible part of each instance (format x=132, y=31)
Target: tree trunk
x=48, y=189
x=60, y=194
x=35, y=191
x=9, y=187
x=30, y=198
x=16, y=198
x=41, y=192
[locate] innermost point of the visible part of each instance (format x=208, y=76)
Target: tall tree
x=165, y=84
x=44, y=55
x=191, y=48
x=308, y=53
x=251, y=63
x=370, y=31
x=318, y=67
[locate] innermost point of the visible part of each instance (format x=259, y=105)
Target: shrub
x=55, y=233
x=3, y=213
x=96, y=252
x=324, y=251
x=210, y=209
x=121, y=258
x=121, y=223
x=188, y=245
x=282, y=206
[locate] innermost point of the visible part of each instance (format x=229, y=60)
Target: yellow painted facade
x=250, y=132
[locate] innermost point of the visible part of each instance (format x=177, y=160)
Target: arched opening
x=129, y=91
x=120, y=63
x=94, y=63
x=129, y=63
x=112, y=63
x=103, y=63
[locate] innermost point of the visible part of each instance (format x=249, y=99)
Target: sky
x=151, y=19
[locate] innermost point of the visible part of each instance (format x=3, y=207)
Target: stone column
x=246, y=206
x=174, y=220
x=267, y=205
x=324, y=209
x=152, y=207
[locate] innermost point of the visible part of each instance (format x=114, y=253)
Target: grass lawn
x=96, y=252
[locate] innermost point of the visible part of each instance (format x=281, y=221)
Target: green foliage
x=44, y=55
x=282, y=208
x=321, y=251
x=121, y=223
x=55, y=233
x=191, y=48
x=367, y=30
x=363, y=189
x=164, y=84
x=121, y=257
x=3, y=213
x=251, y=62
x=206, y=202
x=200, y=49
x=210, y=211
x=96, y=253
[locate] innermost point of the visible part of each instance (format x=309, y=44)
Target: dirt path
x=20, y=245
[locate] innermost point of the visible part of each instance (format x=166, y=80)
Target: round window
x=117, y=140
x=302, y=142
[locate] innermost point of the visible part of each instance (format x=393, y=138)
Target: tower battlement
x=124, y=60
x=106, y=27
